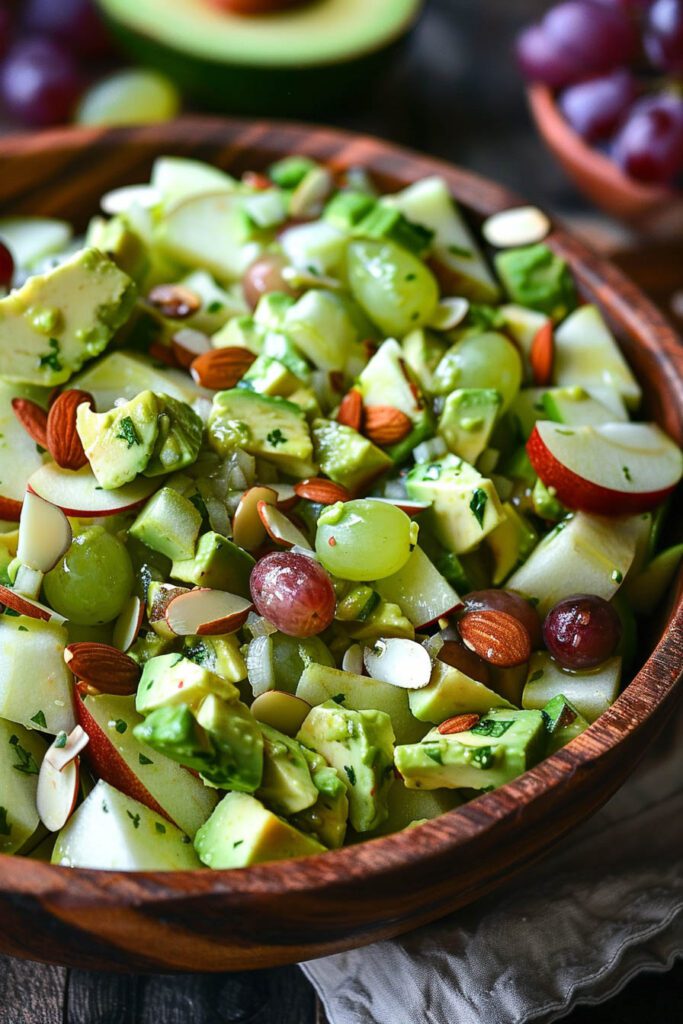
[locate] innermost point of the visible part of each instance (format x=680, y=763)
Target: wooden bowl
x=648, y=208
x=287, y=911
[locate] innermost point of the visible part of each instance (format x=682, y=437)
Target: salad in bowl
x=322, y=515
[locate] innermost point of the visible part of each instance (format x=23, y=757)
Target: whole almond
x=33, y=419
x=256, y=180
x=385, y=425
x=325, y=492
x=496, y=636
x=174, y=301
x=63, y=442
x=459, y=723
x=221, y=368
x=542, y=354
x=106, y=668
x=350, y=412
x=163, y=354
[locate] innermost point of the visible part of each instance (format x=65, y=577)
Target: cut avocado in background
x=290, y=62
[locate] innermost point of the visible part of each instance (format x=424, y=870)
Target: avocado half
x=293, y=62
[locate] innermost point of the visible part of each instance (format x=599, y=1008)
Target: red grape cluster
x=46, y=48
x=618, y=69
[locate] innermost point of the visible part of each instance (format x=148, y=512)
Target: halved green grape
x=487, y=360
x=364, y=539
x=92, y=582
x=131, y=96
x=396, y=290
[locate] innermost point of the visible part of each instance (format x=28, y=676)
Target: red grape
x=597, y=37
x=294, y=593
x=264, y=275
x=649, y=145
x=76, y=24
x=455, y=654
x=634, y=8
x=5, y=28
x=541, y=59
x=39, y=82
x=582, y=631
x=664, y=35
x=510, y=602
x=6, y=266
x=594, y=108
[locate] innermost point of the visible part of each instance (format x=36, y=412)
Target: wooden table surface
x=456, y=94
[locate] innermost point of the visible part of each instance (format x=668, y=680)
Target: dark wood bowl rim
x=655, y=682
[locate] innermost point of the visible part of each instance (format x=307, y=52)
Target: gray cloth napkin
x=606, y=904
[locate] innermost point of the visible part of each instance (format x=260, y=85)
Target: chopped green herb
x=238, y=842
x=478, y=505
x=566, y=433
x=199, y=504
x=120, y=725
x=144, y=760
x=105, y=808
x=483, y=757
x=434, y=753
x=459, y=250
x=128, y=433
x=617, y=576
x=276, y=437
x=161, y=829
x=23, y=629
x=60, y=742
x=135, y=818
x=339, y=698
x=432, y=472
x=197, y=653
x=350, y=773
x=627, y=473
x=27, y=763
x=214, y=307
x=176, y=661
x=51, y=358
x=5, y=827
x=538, y=674
x=39, y=720
x=491, y=727
x=11, y=612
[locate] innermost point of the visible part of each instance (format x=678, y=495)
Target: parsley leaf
x=276, y=437
x=478, y=505
x=135, y=818
x=27, y=763
x=5, y=827
x=350, y=773
x=51, y=358
x=39, y=720
x=128, y=433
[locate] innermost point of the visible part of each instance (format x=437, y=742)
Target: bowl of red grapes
x=606, y=89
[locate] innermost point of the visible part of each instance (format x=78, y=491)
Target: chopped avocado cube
x=535, y=276
x=452, y=692
x=348, y=208
x=168, y=523
x=58, y=320
x=269, y=376
x=385, y=620
x=242, y=832
x=218, y=654
x=119, y=443
x=467, y=421
x=179, y=438
x=326, y=819
x=384, y=221
x=173, y=731
x=423, y=350
x=321, y=326
x=562, y=721
x=408, y=806
x=591, y=692
x=360, y=745
x=218, y=564
x=272, y=428
x=346, y=456
x=465, y=506
x=286, y=786
x=172, y=679
x=510, y=543
x=500, y=747
x=148, y=646
x=121, y=244
x=238, y=741
x=21, y=754
x=271, y=309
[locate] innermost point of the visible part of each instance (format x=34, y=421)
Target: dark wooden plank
x=97, y=998
x=31, y=993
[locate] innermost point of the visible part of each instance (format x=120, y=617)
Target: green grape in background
x=91, y=583
x=131, y=96
x=364, y=539
x=396, y=290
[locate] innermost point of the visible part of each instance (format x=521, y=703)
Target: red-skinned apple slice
x=24, y=606
x=248, y=530
x=78, y=494
x=205, y=612
x=44, y=533
x=279, y=528
x=611, y=469
x=129, y=623
x=57, y=791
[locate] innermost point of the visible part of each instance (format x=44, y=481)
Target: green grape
x=93, y=580
x=131, y=96
x=364, y=539
x=396, y=290
x=481, y=361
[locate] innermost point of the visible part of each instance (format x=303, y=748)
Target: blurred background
x=443, y=76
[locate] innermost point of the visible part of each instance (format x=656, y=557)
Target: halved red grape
x=75, y=23
x=6, y=267
x=510, y=602
x=294, y=593
x=264, y=275
x=596, y=36
x=40, y=82
x=649, y=145
x=664, y=35
x=582, y=631
x=594, y=108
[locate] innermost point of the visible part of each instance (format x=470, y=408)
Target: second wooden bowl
x=287, y=911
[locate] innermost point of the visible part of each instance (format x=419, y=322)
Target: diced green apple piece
x=208, y=231
x=591, y=693
x=35, y=684
x=21, y=753
x=587, y=355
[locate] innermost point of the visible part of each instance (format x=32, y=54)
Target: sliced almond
x=459, y=723
x=542, y=355
x=523, y=225
x=353, y=660
x=118, y=200
x=322, y=491
x=281, y=710
x=496, y=636
x=350, y=412
x=221, y=368
x=63, y=441
x=105, y=667
x=44, y=533
x=66, y=748
x=279, y=528
x=33, y=419
x=57, y=793
x=449, y=313
x=248, y=530
x=385, y=425
x=286, y=495
x=401, y=662
x=129, y=623
x=174, y=301
x=205, y=612
x=24, y=606
x=188, y=344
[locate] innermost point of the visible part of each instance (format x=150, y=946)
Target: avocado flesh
x=288, y=62
x=286, y=786
x=270, y=427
